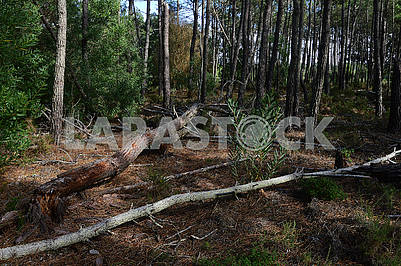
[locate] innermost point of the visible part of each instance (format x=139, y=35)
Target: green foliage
x=113, y=75
x=264, y=162
x=257, y=256
x=23, y=71
x=382, y=241
x=322, y=188
x=289, y=234
x=347, y=154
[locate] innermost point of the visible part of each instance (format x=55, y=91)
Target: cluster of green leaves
x=322, y=188
x=23, y=73
x=257, y=256
x=257, y=163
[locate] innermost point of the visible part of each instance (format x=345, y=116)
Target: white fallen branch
x=112, y=222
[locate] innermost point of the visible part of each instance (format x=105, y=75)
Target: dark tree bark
x=85, y=31
x=161, y=56
x=132, y=13
x=58, y=86
x=166, y=57
x=261, y=78
x=205, y=54
x=322, y=60
x=245, y=52
x=146, y=51
x=235, y=54
x=377, y=71
x=274, y=53
x=293, y=70
x=394, y=124
x=192, y=49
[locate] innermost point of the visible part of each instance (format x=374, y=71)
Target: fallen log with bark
x=47, y=201
x=110, y=223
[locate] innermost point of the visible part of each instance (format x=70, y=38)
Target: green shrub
x=264, y=161
x=23, y=72
x=322, y=188
x=257, y=256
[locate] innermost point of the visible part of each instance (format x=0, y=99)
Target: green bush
x=23, y=72
x=322, y=188
x=257, y=256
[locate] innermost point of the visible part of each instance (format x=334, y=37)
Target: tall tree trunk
x=298, y=62
x=132, y=13
x=85, y=31
x=276, y=41
x=341, y=84
x=245, y=52
x=235, y=54
x=178, y=12
x=261, y=78
x=377, y=72
x=192, y=49
x=205, y=54
x=161, y=56
x=394, y=123
x=166, y=57
x=322, y=60
x=294, y=65
x=146, y=52
x=58, y=86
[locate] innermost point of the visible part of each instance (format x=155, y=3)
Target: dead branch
x=201, y=170
x=125, y=189
x=47, y=201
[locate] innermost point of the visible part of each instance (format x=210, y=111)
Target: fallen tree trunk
x=47, y=201
x=110, y=223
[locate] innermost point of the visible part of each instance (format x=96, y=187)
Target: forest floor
x=278, y=225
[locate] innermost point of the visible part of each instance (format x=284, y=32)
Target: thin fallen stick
x=112, y=222
x=203, y=237
x=125, y=188
x=201, y=170
x=53, y=161
x=180, y=232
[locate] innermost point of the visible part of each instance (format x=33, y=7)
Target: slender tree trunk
x=132, y=13
x=377, y=72
x=261, y=79
x=178, y=12
x=293, y=69
x=85, y=31
x=192, y=49
x=298, y=62
x=166, y=58
x=245, y=52
x=161, y=56
x=146, y=52
x=322, y=60
x=394, y=124
x=205, y=54
x=235, y=56
x=274, y=53
x=58, y=86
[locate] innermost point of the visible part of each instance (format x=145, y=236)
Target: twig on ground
x=180, y=232
x=203, y=237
